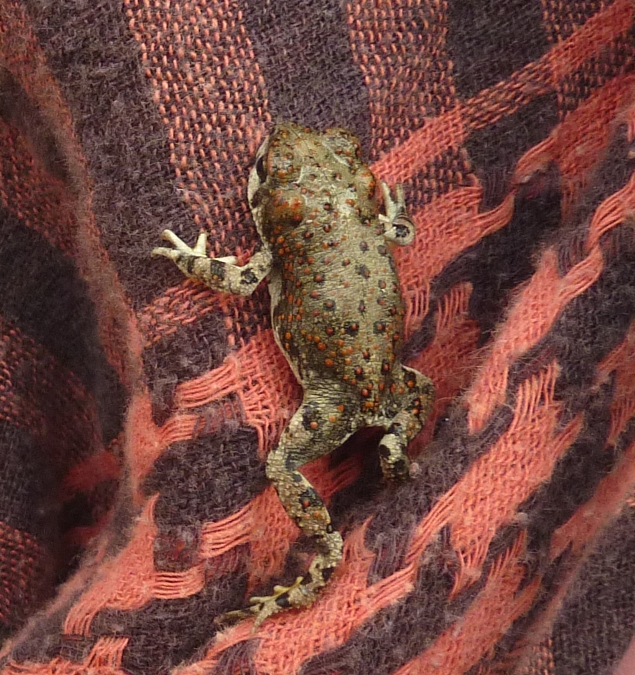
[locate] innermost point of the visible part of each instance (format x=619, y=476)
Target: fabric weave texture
x=137, y=408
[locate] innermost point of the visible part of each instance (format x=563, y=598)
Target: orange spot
x=321, y=346
x=329, y=363
x=313, y=425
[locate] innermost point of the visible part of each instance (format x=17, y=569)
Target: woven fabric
x=137, y=408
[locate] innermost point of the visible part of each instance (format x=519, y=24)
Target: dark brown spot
x=363, y=271
x=363, y=246
x=380, y=327
x=327, y=572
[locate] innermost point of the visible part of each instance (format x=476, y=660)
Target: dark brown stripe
x=575, y=476
x=42, y=640
x=489, y=40
x=611, y=174
x=27, y=485
x=595, y=322
x=41, y=292
x=26, y=577
x=562, y=19
x=305, y=55
x=404, y=89
x=206, y=479
x=92, y=52
x=494, y=150
x=183, y=355
x=615, y=59
x=596, y=622
x=17, y=109
x=500, y=261
x=448, y=171
x=237, y=659
x=165, y=633
x=408, y=626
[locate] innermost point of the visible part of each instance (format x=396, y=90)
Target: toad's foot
x=220, y=274
x=283, y=597
x=180, y=247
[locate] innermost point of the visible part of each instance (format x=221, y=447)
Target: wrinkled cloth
x=137, y=408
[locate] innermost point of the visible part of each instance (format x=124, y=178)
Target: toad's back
x=336, y=305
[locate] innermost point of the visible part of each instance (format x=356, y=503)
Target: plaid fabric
x=136, y=408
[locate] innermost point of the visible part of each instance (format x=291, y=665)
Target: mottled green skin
x=337, y=315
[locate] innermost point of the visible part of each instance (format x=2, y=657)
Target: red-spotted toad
x=337, y=315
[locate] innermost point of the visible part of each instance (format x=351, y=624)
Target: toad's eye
x=261, y=170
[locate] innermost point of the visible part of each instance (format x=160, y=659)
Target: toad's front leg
x=220, y=274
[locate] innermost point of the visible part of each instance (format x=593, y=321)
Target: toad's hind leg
x=414, y=396
x=316, y=429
